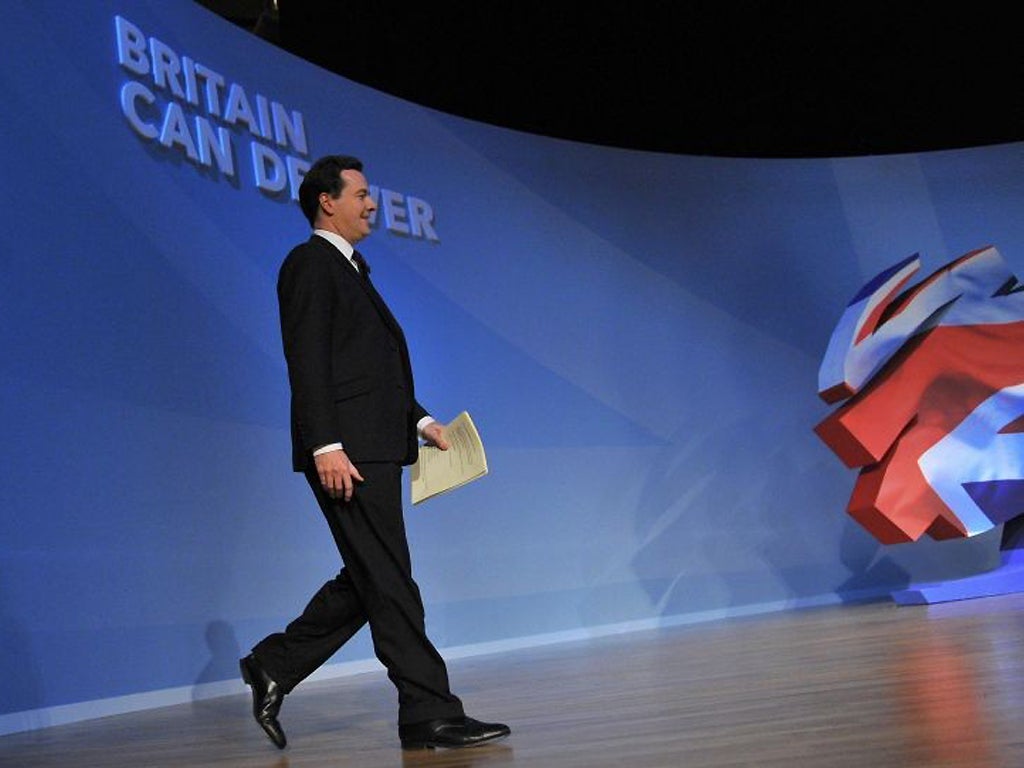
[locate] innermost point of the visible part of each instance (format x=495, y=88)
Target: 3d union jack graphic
x=933, y=379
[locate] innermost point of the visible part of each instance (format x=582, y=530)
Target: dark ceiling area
x=762, y=78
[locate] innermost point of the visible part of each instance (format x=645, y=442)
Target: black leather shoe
x=266, y=699
x=450, y=732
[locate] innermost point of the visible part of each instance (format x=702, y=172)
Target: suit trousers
x=375, y=586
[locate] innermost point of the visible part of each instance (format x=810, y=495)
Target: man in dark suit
x=355, y=422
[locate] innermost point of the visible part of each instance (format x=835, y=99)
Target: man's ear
x=326, y=204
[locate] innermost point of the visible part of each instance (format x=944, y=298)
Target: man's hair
x=324, y=176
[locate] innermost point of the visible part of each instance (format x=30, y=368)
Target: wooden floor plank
x=862, y=686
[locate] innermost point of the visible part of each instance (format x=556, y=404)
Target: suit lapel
x=379, y=302
x=365, y=285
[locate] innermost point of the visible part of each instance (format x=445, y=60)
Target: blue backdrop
x=636, y=335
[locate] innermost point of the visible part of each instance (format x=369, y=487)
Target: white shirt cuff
x=328, y=448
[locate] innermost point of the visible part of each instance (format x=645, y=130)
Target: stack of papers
x=437, y=471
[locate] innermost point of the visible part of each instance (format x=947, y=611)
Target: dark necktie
x=364, y=268
x=364, y=272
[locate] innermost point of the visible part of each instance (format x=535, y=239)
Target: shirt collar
x=337, y=241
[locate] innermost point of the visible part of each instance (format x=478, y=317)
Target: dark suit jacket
x=348, y=363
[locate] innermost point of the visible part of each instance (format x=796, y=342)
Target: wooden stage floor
x=865, y=686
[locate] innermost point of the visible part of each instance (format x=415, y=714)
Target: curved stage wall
x=637, y=336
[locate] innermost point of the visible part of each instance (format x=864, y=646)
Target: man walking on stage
x=355, y=422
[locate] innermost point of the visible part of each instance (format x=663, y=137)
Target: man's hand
x=337, y=474
x=433, y=434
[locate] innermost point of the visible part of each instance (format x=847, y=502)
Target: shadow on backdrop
x=224, y=655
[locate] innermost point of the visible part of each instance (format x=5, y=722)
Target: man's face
x=349, y=213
